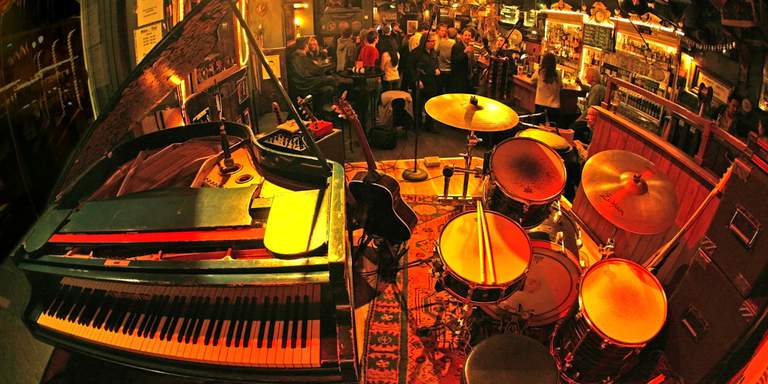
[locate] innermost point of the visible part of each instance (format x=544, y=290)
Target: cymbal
x=551, y=139
x=630, y=192
x=457, y=110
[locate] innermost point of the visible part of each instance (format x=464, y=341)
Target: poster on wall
x=148, y=12
x=335, y=20
x=145, y=38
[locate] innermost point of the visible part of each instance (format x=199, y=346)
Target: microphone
x=447, y=173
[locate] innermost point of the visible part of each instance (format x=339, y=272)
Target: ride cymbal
x=460, y=111
x=630, y=192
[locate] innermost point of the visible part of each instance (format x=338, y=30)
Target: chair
x=400, y=116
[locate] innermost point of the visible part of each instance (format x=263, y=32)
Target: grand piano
x=198, y=250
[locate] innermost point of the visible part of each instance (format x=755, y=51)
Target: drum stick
x=489, y=251
x=479, y=213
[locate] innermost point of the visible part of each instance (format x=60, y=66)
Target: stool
x=510, y=359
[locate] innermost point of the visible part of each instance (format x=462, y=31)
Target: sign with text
x=148, y=12
x=145, y=38
x=598, y=36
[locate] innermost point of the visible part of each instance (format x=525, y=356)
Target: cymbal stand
x=607, y=249
x=472, y=141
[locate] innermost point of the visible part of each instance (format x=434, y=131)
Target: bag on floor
x=382, y=137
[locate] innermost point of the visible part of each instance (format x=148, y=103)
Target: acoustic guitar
x=385, y=212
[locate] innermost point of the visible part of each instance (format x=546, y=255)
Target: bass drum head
x=527, y=170
x=623, y=301
x=550, y=290
x=459, y=248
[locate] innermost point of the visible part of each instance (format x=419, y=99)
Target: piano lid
x=183, y=49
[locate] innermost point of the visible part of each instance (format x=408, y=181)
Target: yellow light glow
x=175, y=80
x=181, y=10
x=242, y=39
x=297, y=21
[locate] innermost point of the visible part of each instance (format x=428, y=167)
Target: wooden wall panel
x=691, y=181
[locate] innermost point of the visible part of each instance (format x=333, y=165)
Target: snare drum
x=526, y=178
x=566, y=151
x=622, y=307
x=551, y=286
x=459, y=251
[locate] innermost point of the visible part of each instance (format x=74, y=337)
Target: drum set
x=515, y=256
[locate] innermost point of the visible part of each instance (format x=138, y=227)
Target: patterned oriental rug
x=403, y=343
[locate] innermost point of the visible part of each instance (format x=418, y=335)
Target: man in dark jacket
x=462, y=60
x=306, y=77
x=424, y=71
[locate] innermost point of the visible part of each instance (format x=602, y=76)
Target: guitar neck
x=364, y=143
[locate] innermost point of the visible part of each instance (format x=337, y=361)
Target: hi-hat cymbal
x=551, y=139
x=457, y=110
x=630, y=192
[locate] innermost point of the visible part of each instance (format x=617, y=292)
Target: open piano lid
x=179, y=52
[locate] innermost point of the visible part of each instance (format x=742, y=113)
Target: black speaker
x=709, y=324
x=736, y=239
x=717, y=313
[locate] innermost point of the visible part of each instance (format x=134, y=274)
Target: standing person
x=442, y=33
x=389, y=62
x=414, y=41
x=345, y=48
x=462, y=61
x=444, y=59
x=548, y=85
x=425, y=72
x=369, y=55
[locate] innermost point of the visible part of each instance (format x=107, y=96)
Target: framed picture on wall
x=412, y=26
x=739, y=13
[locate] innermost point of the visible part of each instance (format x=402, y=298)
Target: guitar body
x=385, y=212
x=387, y=215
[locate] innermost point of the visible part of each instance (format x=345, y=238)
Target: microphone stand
x=416, y=173
x=322, y=162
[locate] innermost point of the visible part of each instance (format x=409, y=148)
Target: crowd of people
x=425, y=63
x=431, y=62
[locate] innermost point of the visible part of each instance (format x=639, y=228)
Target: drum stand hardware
x=607, y=249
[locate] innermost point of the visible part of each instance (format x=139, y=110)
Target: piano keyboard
x=264, y=326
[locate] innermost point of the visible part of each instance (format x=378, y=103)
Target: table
x=360, y=82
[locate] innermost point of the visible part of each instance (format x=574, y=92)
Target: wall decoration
x=739, y=13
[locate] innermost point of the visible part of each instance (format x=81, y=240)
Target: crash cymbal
x=551, y=139
x=630, y=192
x=457, y=110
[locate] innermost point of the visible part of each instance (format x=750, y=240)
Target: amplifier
x=736, y=240
x=709, y=322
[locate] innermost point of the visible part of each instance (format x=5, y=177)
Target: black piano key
x=146, y=322
x=224, y=313
x=69, y=300
x=194, y=319
x=78, y=307
x=205, y=313
x=130, y=315
x=273, y=319
x=62, y=296
x=235, y=314
x=106, y=306
x=214, y=320
x=168, y=314
x=263, y=321
x=178, y=315
x=165, y=305
x=295, y=316
x=241, y=321
x=286, y=318
x=117, y=310
x=56, y=301
x=304, y=321
x=249, y=313
x=188, y=316
x=96, y=303
x=138, y=320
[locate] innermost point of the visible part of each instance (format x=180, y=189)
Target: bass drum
x=551, y=287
